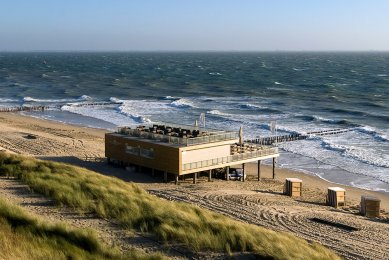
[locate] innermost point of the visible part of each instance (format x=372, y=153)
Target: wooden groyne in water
x=43, y=108
x=23, y=108
x=294, y=137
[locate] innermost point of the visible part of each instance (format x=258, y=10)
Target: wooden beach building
x=182, y=150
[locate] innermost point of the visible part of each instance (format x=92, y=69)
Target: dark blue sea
x=302, y=92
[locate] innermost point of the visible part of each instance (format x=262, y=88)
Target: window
x=148, y=153
x=143, y=152
x=132, y=150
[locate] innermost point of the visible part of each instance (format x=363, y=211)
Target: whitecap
x=215, y=73
x=116, y=100
x=64, y=100
x=182, y=103
x=373, y=132
x=127, y=110
x=170, y=98
x=365, y=155
x=300, y=69
x=250, y=106
x=217, y=112
x=7, y=100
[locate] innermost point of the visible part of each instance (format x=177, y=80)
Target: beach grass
x=24, y=236
x=171, y=222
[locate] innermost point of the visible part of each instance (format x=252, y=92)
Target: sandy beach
x=260, y=203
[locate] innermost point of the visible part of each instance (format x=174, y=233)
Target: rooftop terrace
x=178, y=134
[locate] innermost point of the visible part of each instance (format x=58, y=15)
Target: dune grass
x=132, y=207
x=23, y=236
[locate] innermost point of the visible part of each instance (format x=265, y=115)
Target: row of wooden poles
x=293, y=137
x=23, y=108
x=275, y=139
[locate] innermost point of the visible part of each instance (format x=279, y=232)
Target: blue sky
x=221, y=25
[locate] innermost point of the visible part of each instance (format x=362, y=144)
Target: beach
x=258, y=202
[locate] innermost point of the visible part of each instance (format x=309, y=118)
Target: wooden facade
x=370, y=206
x=293, y=187
x=177, y=159
x=336, y=197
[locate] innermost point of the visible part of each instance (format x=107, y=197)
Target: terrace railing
x=213, y=137
x=231, y=158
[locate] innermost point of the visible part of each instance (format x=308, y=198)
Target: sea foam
x=63, y=100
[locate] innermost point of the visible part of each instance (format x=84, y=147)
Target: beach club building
x=182, y=150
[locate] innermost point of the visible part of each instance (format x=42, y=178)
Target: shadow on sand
x=109, y=170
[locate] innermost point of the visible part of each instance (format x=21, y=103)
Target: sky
x=194, y=25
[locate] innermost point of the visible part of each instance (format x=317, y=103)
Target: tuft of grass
x=23, y=236
x=132, y=207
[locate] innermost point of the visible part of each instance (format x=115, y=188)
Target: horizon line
x=186, y=51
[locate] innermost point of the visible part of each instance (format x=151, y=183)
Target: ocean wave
x=116, y=100
x=217, y=112
x=45, y=75
x=182, y=103
x=347, y=111
x=215, y=73
x=277, y=83
x=300, y=69
x=249, y=106
x=170, y=98
x=8, y=100
x=373, y=132
x=64, y=100
x=126, y=109
x=382, y=75
x=363, y=155
x=311, y=118
x=359, y=114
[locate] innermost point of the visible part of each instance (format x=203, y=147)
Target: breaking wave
x=127, y=110
x=182, y=103
x=363, y=155
x=64, y=100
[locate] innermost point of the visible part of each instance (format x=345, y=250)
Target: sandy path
x=255, y=202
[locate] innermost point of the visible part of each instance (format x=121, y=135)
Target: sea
x=299, y=91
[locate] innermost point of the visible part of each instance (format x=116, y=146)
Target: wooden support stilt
x=210, y=175
x=259, y=170
x=152, y=172
x=165, y=176
x=176, y=181
x=274, y=166
x=243, y=171
x=228, y=173
x=194, y=177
